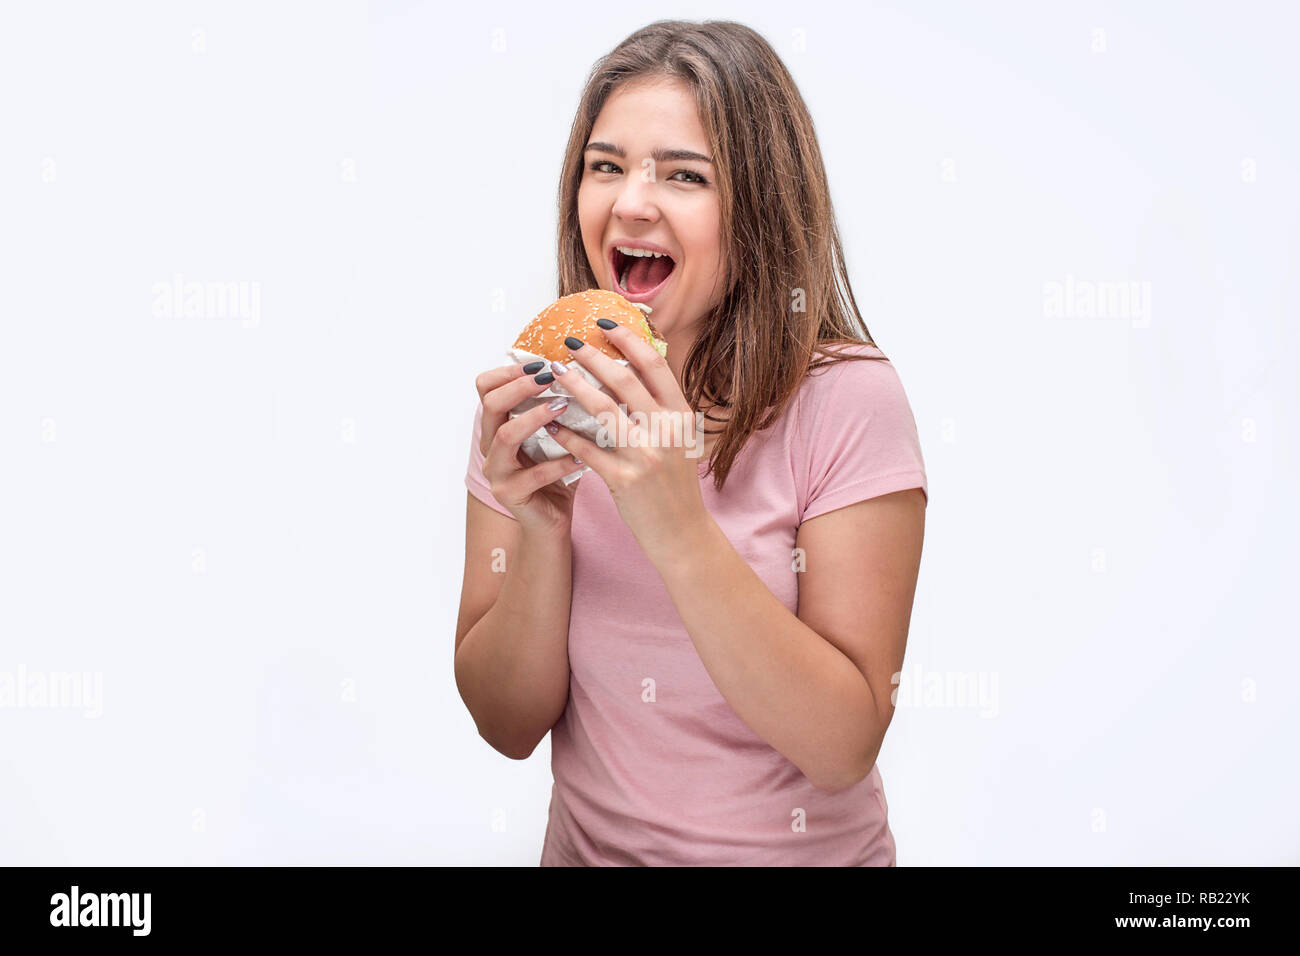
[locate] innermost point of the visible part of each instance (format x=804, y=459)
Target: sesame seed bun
x=576, y=315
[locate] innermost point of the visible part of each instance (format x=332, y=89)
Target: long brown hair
x=778, y=228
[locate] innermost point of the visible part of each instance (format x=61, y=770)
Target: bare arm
x=512, y=634
x=816, y=686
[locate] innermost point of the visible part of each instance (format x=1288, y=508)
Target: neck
x=679, y=345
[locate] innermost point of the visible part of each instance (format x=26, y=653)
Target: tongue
x=647, y=272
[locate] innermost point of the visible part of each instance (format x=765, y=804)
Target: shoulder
x=856, y=436
x=842, y=354
x=857, y=375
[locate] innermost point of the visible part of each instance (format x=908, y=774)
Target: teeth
x=638, y=254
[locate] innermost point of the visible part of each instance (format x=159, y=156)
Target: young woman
x=713, y=660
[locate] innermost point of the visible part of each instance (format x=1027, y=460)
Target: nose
x=636, y=200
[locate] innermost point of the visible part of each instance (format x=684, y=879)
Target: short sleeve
x=857, y=436
x=478, y=485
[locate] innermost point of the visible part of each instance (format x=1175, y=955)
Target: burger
x=575, y=315
x=543, y=338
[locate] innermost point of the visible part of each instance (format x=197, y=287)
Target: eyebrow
x=658, y=154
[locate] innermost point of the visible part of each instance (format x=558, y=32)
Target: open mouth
x=640, y=278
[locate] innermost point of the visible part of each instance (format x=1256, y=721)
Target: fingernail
x=558, y=403
x=559, y=368
x=573, y=343
x=552, y=427
x=606, y=324
x=577, y=460
x=546, y=378
x=532, y=368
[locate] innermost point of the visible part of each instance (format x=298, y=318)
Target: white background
x=251, y=529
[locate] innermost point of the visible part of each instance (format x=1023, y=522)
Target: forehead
x=651, y=112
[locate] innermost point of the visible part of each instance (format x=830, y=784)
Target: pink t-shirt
x=666, y=773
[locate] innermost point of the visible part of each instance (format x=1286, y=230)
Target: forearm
x=792, y=687
x=512, y=667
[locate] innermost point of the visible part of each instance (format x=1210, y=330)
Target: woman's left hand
x=649, y=457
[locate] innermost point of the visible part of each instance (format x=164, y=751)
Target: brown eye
x=690, y=172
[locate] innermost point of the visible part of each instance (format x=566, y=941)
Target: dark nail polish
x=606, y=324
x=532, y=368
x=573, y=343
x=546, y=378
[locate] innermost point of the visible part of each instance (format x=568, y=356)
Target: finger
x=655, y=374
x=520, y=485
x=501, y=398
x=597, y=403
x=584, y=449
x=502, y=455
x=619, y=379
x=495, y=378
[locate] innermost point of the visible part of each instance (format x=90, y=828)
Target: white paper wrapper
x=540, y=446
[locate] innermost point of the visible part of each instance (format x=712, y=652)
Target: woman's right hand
x=530, y=491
